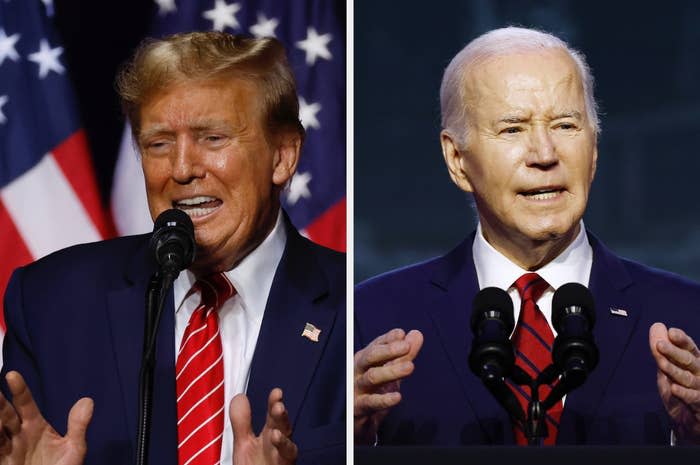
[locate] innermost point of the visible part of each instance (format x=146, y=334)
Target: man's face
x=530, y=153
x=205, y=151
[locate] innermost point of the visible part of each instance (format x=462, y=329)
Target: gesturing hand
x=26, y=438
x=379, y=368
x=678, y=378
x=273, y=445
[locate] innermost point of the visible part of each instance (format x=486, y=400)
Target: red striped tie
x=200, y=377
x=532, y=340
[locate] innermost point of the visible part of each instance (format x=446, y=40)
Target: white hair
x=499, y=42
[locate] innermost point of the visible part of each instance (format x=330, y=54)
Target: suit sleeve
x=17, y=345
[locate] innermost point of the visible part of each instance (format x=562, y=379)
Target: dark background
x=645, y=57
x=98, y=36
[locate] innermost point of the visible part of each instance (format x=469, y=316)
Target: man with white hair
x=519, y=132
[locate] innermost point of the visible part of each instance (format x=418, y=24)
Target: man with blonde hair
x=254, y=327
x=520, y=133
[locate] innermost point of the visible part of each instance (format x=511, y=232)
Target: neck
x=529, y=254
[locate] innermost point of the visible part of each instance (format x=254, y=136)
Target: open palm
x=28, y=439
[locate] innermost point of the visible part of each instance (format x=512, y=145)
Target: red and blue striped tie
x=532, y=341
x=200, y=377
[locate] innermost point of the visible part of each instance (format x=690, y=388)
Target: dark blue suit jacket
x=443, y=403
x=75, y=323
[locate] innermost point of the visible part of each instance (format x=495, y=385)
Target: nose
x=186, y=162
x=543, y=152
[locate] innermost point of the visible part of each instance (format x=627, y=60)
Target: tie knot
x=216, y=289
x=531, y=286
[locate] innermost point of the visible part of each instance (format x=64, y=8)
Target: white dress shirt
x=239, y=318
x=573, y=265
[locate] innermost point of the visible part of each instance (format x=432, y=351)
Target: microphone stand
x=570, y=378
x=157, y=290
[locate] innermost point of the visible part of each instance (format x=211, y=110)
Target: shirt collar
x=253, y=275
x=494, y=269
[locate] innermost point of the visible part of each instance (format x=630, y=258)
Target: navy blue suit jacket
x=443, y=403
x=75, y=323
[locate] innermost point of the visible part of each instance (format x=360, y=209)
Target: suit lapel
x=283, y=358
x=126, y=310
x=609, y=280
x=456, y=284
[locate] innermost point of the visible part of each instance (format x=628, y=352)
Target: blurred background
x=97, y=38
x=646, y=61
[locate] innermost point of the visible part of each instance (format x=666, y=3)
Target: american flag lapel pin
x=618, y=311
x=311, y=332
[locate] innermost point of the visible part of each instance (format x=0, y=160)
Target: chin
x=550, y=231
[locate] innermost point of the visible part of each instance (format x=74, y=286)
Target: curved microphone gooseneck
x=574, y=352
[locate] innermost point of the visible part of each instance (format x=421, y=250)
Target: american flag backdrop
x=48, y=193
x=313, y=32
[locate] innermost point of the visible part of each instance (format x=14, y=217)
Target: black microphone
x=573, y=315
x=173, y=242
x=492, y=322
x=492, y=358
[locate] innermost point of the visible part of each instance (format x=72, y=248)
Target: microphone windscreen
x=572, y=295
x=172, y=243
x=174, y=218
x=492, y=298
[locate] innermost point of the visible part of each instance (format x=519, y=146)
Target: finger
x=22, y=398
x=415, y=340
x=379, y=354
x=676, y=374
x=680, y=339
x=239, y=413
x=688, y=396
x=78, y=420
x=664, y=386
x=377, y=377
x=277, y=415
x=284, y=445
x=395, y=334
x=680, y=357
x=371, y=403
x=8, y=416
x=657, y=333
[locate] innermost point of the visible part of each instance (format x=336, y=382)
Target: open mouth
x=198, y=206
x=546, y=193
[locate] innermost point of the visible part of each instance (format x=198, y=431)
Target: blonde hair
x=158, y=64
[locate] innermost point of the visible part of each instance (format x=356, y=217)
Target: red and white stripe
x=199, y=378
x=54, y=205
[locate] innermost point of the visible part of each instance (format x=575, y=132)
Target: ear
x=594, y=162
x=286, y=157
x=454, y=159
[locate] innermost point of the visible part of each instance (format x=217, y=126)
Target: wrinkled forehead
x=196, y=98
x=531, y=80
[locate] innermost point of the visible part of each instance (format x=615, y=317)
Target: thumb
x=239, y=413
x=657, y=333
x=415, y=339
x=78, y=419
